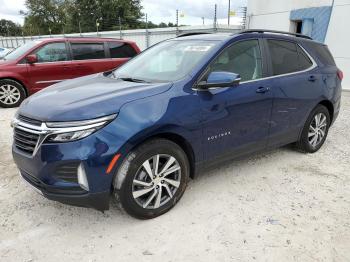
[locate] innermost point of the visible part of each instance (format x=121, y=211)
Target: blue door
x=236, y=119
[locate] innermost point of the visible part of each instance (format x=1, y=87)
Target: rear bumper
x=77, y=197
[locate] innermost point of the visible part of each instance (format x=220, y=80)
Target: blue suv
x=141, y=131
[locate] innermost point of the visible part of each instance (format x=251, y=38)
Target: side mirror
x=220, y=79
x=31, y=59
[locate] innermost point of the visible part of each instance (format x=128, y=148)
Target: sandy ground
x=279, y=206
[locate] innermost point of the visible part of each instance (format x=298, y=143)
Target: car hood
x=4, y=62
x=86, y=98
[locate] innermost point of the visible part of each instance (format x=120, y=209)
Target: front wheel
x=315, y=130
x=11, y=93
x=156, y=176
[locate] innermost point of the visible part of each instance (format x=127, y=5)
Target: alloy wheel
x=9, y=94
x=317, y=129
x=156, y=181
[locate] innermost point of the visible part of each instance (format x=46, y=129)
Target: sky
x=157, y=10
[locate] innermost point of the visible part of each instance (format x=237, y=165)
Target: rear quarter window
x=323, y=53
x=121, y=50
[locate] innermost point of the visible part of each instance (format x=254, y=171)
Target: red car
x=43, y=62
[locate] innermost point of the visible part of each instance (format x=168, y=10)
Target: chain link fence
x=143, y=37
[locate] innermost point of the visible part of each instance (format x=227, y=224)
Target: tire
x=314, y=134
x=12, y=93
x=136, y=178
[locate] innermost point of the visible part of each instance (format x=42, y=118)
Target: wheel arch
x=19, y=81
x=328, y=104
x=119, y=174
x=183, y=143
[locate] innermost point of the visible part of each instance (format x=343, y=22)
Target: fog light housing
x=82, y=180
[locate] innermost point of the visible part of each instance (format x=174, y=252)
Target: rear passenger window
x=121, y=50
x=84, y=51
x=287, y=57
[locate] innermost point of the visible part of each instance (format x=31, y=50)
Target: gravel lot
x=279, y=206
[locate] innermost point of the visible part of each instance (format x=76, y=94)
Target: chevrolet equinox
x=141, y=131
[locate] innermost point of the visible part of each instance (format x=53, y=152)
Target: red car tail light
x=340, y=74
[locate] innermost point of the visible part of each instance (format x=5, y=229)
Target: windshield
x=19, y=51
x=167, y=61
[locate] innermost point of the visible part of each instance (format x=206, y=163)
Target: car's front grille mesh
x=67, y=172
x=25, y=141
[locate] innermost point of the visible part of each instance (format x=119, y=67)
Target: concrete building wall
x=277, y=15
x=338, y=37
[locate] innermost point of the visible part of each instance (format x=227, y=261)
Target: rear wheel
x=156, y=176
x=315, y=130
x=11, y=93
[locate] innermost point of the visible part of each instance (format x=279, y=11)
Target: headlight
x=71, y=136
x=72, y=131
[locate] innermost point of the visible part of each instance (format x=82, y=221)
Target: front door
x=53, y=66
x=236, y=119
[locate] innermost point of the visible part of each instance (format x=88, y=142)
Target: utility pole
x=203, y=19
x=228, y=14
x=8, y=31
x=244, y=21
x=30, y=31
x=177, y=21
x=79, y=23
x=215, y=17
x=147, y=36
x=120, y=27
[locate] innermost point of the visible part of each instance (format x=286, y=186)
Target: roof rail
x=193, y=33
x=274, y=32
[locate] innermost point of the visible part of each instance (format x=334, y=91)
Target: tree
x=68, y=15
x=71, y=16
x=162, y=25
x=9, y=28
x=45, y=15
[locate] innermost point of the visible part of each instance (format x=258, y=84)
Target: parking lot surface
x=280, y=205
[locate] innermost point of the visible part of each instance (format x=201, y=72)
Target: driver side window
x=243, y=58
x=53, y=52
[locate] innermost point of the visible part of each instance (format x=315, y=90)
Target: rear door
x=296, y=86
x=89, y=57
x=53, y=66
x=119, y=53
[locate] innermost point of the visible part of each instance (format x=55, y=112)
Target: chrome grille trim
x=43, y=131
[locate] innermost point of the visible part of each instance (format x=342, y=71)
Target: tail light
x=340, y=75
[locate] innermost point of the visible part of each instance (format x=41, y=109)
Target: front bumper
x=77, y=197
x=43, y=170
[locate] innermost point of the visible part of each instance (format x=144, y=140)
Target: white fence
x=144, y=38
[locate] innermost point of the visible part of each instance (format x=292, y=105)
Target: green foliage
x=65, y=16
x=73, y=16
x=9, y=28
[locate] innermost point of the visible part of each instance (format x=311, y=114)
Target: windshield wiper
x=131, y=79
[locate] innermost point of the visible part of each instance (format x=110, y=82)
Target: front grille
x=67, y=173
x=25, y=141
x=28, y=120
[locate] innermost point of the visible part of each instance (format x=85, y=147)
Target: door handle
x=263, y=90
x=312, y=78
